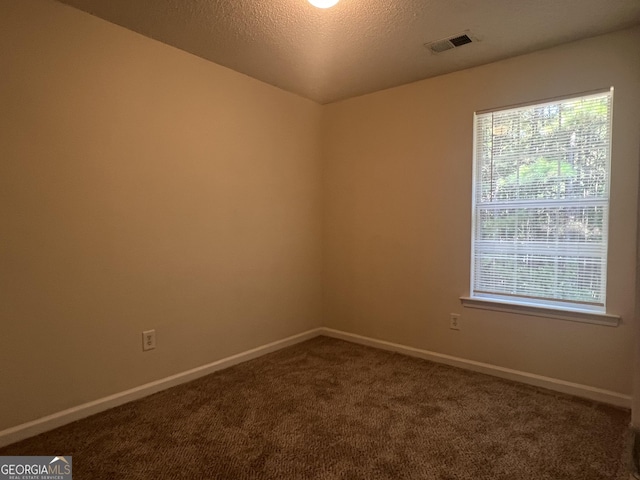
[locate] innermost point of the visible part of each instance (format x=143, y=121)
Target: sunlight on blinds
x=541, y=201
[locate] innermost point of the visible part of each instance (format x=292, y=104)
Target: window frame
x=565, y=310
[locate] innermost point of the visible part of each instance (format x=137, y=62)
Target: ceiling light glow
x=323, y=3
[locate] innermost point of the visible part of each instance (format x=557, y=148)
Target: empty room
x=319, y=239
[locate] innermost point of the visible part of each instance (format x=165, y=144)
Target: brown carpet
x=327, y=409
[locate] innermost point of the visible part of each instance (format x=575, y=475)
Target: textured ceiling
x=359, y=46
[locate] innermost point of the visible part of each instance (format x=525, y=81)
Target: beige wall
x=397, y=215
x=142, y=187
x=635, y=406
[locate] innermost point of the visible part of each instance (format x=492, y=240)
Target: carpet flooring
x=328, y=409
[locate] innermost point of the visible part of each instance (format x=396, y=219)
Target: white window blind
x=541, y=203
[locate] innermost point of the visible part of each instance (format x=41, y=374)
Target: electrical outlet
x=148, y=340
x=454, y=321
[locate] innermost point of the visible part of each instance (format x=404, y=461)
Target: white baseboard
x=576, y=389
x=44, y=424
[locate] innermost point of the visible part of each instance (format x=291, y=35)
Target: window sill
x=539, y=311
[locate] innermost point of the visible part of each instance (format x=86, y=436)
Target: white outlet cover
x=148, y=340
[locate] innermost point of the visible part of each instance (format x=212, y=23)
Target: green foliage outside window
x=542, y=200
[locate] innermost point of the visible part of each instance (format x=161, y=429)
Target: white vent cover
x=445, y=44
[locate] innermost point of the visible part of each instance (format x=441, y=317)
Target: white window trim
x=493, y=302
x=521, y=308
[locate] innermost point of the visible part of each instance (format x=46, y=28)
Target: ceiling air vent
x=443, y=45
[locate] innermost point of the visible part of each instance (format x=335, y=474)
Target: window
x=541, y=204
